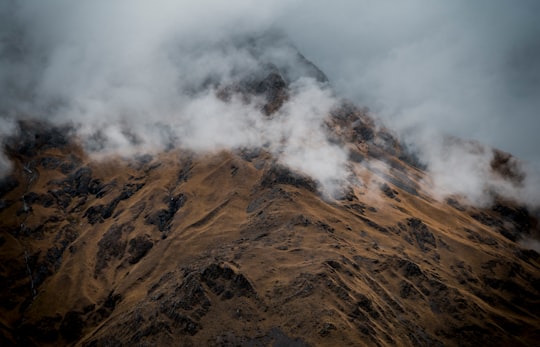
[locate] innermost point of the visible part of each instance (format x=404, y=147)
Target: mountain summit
x=326, y=234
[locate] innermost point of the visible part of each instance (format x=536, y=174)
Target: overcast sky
x=467, y=68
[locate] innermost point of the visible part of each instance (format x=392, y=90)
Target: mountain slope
x=233, y=248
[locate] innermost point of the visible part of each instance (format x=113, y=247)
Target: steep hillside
x=233, y=248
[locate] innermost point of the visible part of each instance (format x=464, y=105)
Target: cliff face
x=233, y=248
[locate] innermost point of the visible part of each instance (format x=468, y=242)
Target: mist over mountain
x=467, y=69
x=177, y=173
x=138, y=77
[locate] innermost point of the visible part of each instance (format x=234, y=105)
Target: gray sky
x=467, y=68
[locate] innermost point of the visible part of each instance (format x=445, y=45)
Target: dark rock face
x=421, y=234
x=507, y=167
x=272, y=88
x=111, y=246
x=53, y=258
x=485, y=239
x=389, y=192
x=406, y=290
x=163, y=218
x=455, y=204
x=78, y=183
x=364, y=307
x=486, y=219
x=189, y=297
x=518, y=216
x=356, y=157
x=176, y=304
x=223, y=281
x=364, y=133
x=275, y=91
x=410, y=269
x=511, y=222
x=326, y=329
x=45, y=200
x=98, y=213
x=281, y=175
x=138, y=248
x=50, y=163
x=34, y=136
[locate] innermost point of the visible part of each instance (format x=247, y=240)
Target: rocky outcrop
x=163, y=218
x=279, y=174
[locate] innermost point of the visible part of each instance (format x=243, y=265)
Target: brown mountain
x=232, y=248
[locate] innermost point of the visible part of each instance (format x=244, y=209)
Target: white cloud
x=136, y=76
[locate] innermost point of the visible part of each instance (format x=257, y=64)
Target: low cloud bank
x=134, y=76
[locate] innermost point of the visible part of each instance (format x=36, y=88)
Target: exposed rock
x=364, y=309
x=389, y=192
x=98, y=213
x=222, y=280
x=486, y=219
x=406, y=290
x=421, y=233
x=34, y=136
x=45, y=200
x=518, y=216
x=419, y=337
x=356, y=157
x=274, y=89
x=373, y=225
x=163, y=218
x=455, y=204
x=363, y=133
x=410, y=269
x=507, y=167
x=485, y=239
x=326, y=329
x=281, y=175
x=138, y=248
x=112, y=245
x=160, y=218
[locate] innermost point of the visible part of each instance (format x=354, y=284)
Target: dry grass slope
x=233, y=249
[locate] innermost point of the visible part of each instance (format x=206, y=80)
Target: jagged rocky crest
x=234, y=248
